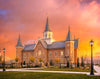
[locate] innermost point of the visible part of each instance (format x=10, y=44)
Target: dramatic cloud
x=28, y=17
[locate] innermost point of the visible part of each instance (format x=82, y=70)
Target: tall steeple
x=47, y=28
x=19, y=43
x=69, y=36
x=48, y=34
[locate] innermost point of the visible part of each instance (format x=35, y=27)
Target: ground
x=63, y=69
x=39, y=75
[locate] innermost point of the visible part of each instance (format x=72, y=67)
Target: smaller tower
x=69, y=48
x=19, y=48
x=48, y=34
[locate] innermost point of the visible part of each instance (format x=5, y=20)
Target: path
x=97, y=68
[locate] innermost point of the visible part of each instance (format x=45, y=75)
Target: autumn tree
x=40, y=60
x=16, y=59
x=57, y=60
x=32, y=59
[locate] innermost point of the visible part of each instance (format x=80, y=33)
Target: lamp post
x=4, y=59
x=91, y=43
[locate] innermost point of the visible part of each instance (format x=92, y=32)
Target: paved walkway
x=25, y=70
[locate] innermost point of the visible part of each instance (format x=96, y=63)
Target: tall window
x=39, y=52
x=62, y=53
x=55, y=53
x=50, y=53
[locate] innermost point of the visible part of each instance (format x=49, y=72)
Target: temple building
x=48, y=49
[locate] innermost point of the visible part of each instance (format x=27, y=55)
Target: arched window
x=50, y=53
x=61, y=53
x=39, y=52
x=45, y=35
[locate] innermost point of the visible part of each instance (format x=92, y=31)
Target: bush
x=24, y=63
x=51, y=63
x=36, y=66
x=82, y=62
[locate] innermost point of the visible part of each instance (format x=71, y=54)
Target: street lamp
x=4, y=59
x=91, y=43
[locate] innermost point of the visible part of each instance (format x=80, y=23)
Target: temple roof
x=58, y=44
x=19, y=43
x=29, y=47
x=54, y=45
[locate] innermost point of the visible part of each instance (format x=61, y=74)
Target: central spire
x=47, y=28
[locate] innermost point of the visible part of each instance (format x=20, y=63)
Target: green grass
x=39, y=75
x=64, y=69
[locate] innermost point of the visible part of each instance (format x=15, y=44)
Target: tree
x=77, y=62
x=32, y=59
x=82, y=62
x=16, y=59
x=40, y=60
x=57, y=60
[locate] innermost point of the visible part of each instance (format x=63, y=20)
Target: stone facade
x=62, y=51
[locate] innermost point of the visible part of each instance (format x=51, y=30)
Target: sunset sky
x=28, y=17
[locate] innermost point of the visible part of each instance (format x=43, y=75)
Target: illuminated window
x=55, y=53
x=49, y=35
x=61, y=53
x=39, y=53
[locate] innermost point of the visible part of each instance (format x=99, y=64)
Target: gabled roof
x=58, y=44
x=47, y=28
x=69, y=36
x=19, y=43
x=54, y=45
x=29, y=47
x=44, y=43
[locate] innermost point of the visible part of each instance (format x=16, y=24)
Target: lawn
x=39, y=75
x=64, y=69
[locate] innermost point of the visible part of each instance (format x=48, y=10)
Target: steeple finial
x=47, y=28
